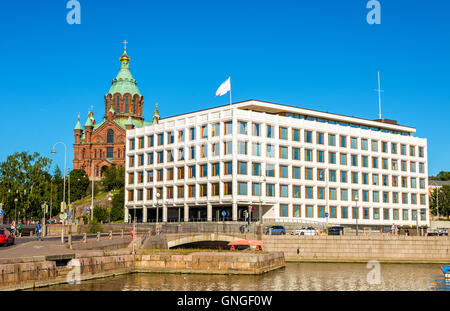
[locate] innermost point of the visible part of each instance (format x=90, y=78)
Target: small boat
x=258, y=244
x=446, y=270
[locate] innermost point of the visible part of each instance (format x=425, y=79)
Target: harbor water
x=294, y=277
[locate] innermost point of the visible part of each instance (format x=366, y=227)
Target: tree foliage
x=443, y=176
x=114, y=177
x=117, y=202
x=79, y=183
x=441, y=197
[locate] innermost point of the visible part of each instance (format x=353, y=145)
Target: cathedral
x=102, y=144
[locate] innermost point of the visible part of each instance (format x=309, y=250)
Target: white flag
x=224, y=88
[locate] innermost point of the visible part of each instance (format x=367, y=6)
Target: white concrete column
x=126, y=214
x=164, y=213
x=234, y=211
x=186, y=213
x=144, y=214
x=209, y=212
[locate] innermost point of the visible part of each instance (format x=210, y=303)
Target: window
x=354, y=177
x=160, y=139
x=118, y=103
x=421, y=168
x=215, y=130
x=228, y=168
x=297, y=210
x=243, y=147
x=332, y=157
x=309, y=173
x=191, y=170
x=344, y=212
x=126, y=105
x=296, y=153
x=308, y=136
x=256, y=169
x=180, y=192
x=365, y=178
x=283, y=133
x=204, y=151
x=270, y=131
x=228, y=187
x=309, y=193
x=131, y=144
x=405, y=214
x=228, y=127
x=394, y=148
x=215, y=189
x=150, y=194
x=270, y=190
x=308, y=155
x=333, y=194
x=204, y=170
x=332, y=177
x=228, y=147
x=375, y=180
x=283, y=210
x=215, y=148
x=181, y=136
x=354, y=143
x=412, y=167
x=354, y=160
x=296, y=172
x=191, y=191
x=344, y=195
x=110, y=155
x=192, y=153
x=403, y=149
x=181, y=154
x=421, y=154
x=215, y=168
x=296, y=135
x=110, y=137
x=270, y=151
x=180, y=173
x=412, y=151
x=332, y=140
x=283, y=171
x=169, y=192
x=365, y=196
x=320, y=174
x=169, y=155
x=242, y=168
x=343, y=141
x=355, y=213
x=242, y=128
x=256, y=129
x=384, y=147
x=256, y=189
x=404, y=166
x=131, y=161
x=320, y=139
x=394, y=165
x=376, y=197
x=170, y=138
x=385, y=164
x=374, y=162
x=283, y=152
x=270, y=170
x=159, y=175
x=192, y=133
x=364, y=144
x=374, y=145
x=150, y=158
x=343, y=159
x=205, y=131
x=343, y=177
x=365, y=161
x=242, y=187
x=150, y=176
x=321, y=210
x=309, y=211
x=296, y=191
x=320, y=157
x=160, y=156
x=284, y=191
x=257, y=149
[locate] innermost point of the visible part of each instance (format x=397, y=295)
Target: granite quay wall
x=26, y=273
x=382, y=248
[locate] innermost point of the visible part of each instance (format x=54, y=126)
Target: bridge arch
x=204, y=237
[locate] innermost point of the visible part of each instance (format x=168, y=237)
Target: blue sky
x=320, y=55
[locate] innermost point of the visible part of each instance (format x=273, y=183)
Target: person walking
x=13, y=227
x=19, y=229
x=393, y=229
x=38, y=231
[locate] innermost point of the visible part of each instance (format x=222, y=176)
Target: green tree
x=114, y=177
x=79, y=183
x=440, y=196
x=100, y=214
x=443, y=176
x=117, y=202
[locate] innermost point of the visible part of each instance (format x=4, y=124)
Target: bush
x=100, y=214
x=94, y=228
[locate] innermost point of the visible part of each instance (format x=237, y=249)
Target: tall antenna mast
x=379, y=95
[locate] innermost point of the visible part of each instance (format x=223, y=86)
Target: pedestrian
x=393, y=229
x=19, y=229
x=38, y=231
x=13, y=227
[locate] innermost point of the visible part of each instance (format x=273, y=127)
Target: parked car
x=6, y=237
x=336, y=230
x=306, y=231
x=276, y=230
x=438, y=232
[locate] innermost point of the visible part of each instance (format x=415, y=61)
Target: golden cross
x=125, y=43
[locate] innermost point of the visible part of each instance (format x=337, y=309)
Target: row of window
x=104, y=154
x=127, y=100
x=283, y=172
x=343, y=140
x=310, y=192
x=367, y=213
x=344, y=158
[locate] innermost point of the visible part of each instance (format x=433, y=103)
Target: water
x=294, y=277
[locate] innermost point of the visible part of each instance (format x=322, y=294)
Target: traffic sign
x=326, y=214
x=87, y=210
x=224, y=213
x=2, y=213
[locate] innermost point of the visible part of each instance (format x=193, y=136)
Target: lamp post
x=15, y=209
x=357, y=212
x=65, y=162
x=262, y=180
x=158, y=195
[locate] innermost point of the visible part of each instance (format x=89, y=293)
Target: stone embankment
x=402, y=249
x=40, y=271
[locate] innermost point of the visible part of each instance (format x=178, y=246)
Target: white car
x=306, y=231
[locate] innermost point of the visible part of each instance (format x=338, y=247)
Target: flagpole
x=230, y=92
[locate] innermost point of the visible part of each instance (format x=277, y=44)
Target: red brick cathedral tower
x=100, y=145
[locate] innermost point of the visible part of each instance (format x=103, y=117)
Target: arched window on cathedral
x=126, y=104
x=118, y=154
x=118, y=103
x=134, y=106
x=82, y=155
x=110, y=137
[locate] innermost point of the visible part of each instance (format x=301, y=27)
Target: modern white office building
x=279, y=162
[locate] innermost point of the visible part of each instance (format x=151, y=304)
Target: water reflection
x=295, y=277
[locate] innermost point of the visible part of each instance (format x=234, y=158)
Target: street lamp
x=262, y=180
x=65, y=162
x=158, y=195
x=15, y=209
x=357, y=212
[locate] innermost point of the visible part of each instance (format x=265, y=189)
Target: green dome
x=124, y=82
